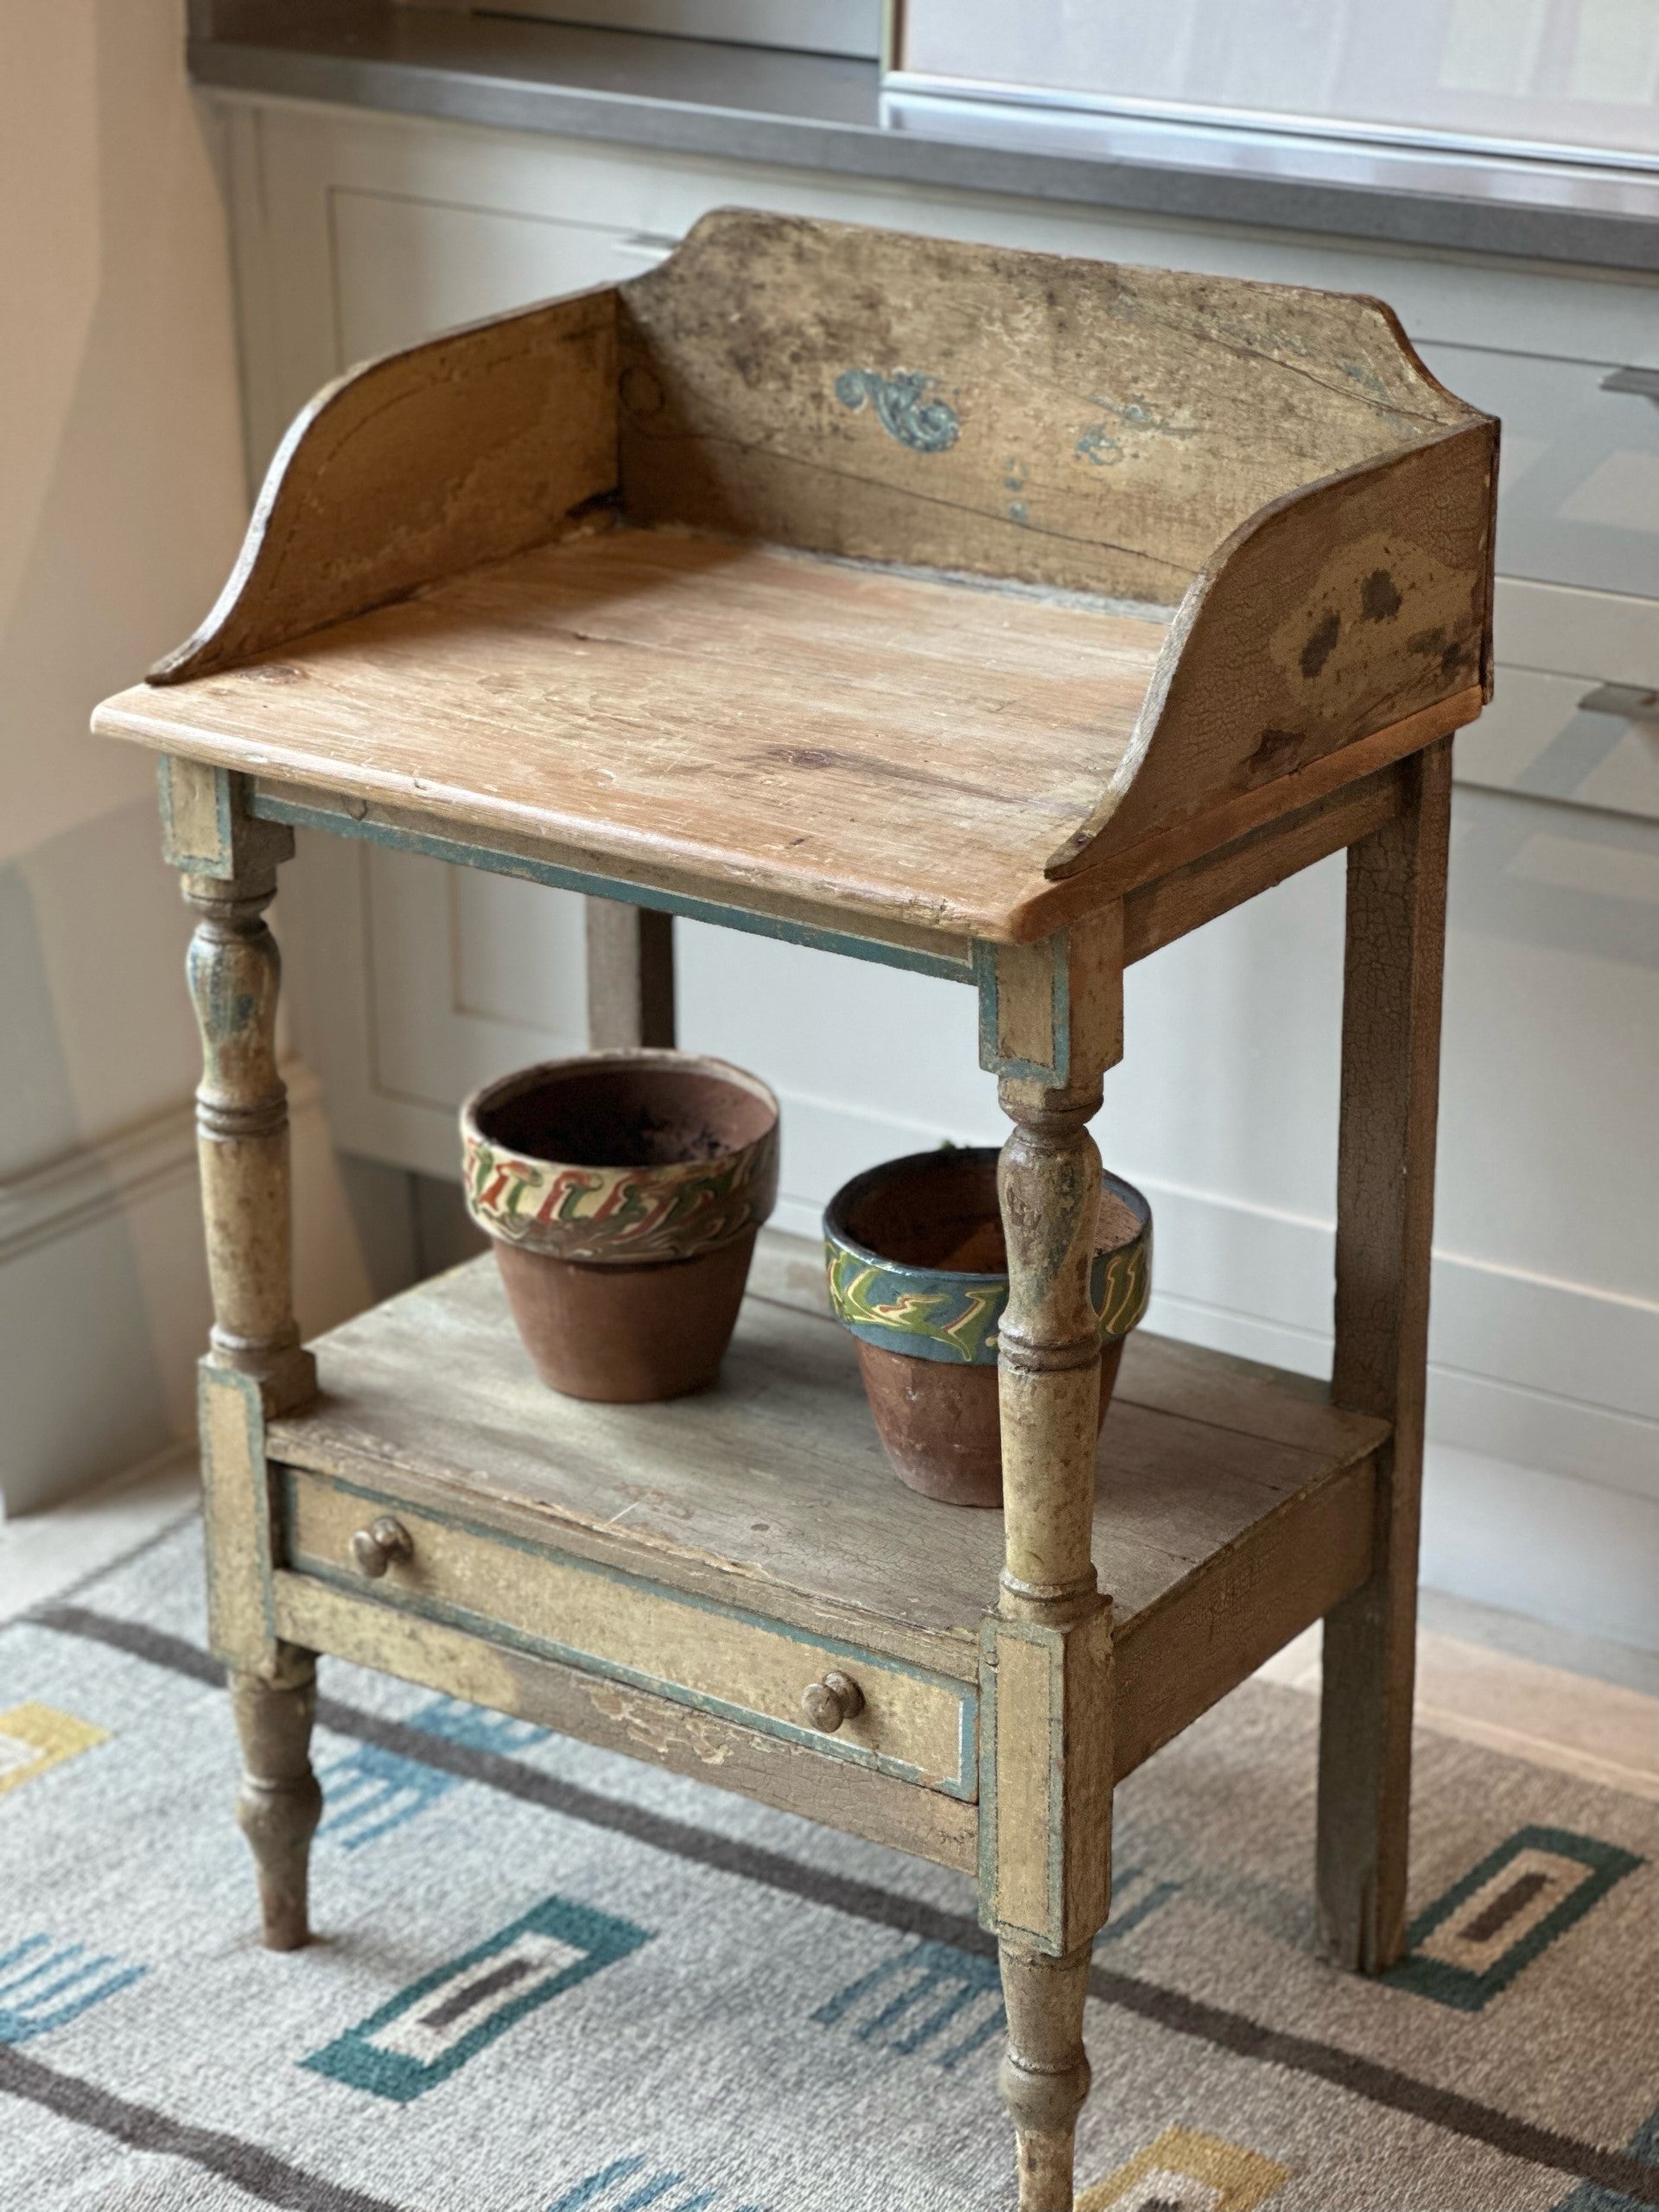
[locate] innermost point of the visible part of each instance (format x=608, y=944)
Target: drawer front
x=1540, y=738
x=915, y=1726
x=1578, y=478
x=1575, y=715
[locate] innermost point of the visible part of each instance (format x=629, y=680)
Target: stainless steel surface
x=1487, y=78
x=1627, y=700
x=802, y=26
x=818, y=113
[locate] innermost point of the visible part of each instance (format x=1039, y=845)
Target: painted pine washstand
x=993, y=614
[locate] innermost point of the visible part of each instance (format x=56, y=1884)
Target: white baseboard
x=104, y=1303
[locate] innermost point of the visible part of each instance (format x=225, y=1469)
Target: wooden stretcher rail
x=405, y=831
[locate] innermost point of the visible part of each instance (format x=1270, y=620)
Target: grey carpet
x=551, y=1980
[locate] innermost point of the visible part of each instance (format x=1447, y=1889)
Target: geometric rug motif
x=1587, y=2197
x=429, y=2030
x=45, y=1984
x=808, y=2024
x=1185, y=2170
x=947, y=2002
x=369, y=1790
x=1473, y=1941
x=34, y=1738
x=631, y=2185
x=929, y=1995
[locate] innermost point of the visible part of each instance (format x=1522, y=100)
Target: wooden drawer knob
x=829, y=1702
x=375, y=1547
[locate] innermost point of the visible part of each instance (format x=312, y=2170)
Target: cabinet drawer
x=916, y=1726
x=1538, y=739
x=1557, y=649
x=1578, y=477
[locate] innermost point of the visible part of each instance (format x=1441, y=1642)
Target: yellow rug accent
x=35, y=1737
x=1230, y=2178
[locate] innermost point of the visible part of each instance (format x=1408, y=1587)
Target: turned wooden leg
x=1046, y=2073
x=256, y=1365
x=242, y=1135
x=1385, y=1200
x=279, y=1803
x=1047, y=1681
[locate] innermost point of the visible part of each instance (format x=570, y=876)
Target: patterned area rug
x=554, y=1981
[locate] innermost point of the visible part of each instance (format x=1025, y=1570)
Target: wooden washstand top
x=916, y=585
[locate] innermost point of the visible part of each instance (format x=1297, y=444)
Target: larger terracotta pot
x=918, y=1272
x=623, y=1192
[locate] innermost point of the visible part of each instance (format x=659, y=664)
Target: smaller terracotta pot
x=918, y=1273
x=623, y=1192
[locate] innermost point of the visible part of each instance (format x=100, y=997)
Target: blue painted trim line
x=460, y=853
x=962, y=1786
x=1052, y=1075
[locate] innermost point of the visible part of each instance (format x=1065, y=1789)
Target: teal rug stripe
x=1234, y=2032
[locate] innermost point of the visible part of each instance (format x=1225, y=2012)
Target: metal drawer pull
x=375, y=1547
x=829, y=1702
x=1628, y=701
x=1644, y=381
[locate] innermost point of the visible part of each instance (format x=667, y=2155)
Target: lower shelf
x=592, y=1564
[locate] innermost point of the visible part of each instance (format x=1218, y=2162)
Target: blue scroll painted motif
x=902, y=407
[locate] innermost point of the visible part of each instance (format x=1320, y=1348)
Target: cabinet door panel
x=1557, y=648
x=471, y=975
x=405, y=268
x=1536, y=738
x=1578, y=497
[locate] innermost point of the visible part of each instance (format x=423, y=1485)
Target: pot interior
x=941, y=1211
x=623, y=1116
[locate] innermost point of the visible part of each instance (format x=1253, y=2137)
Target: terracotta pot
x=918, y=1273
x=623, y=1191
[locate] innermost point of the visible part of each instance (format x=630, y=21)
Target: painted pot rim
x=618, y=1216
x=953, y=1313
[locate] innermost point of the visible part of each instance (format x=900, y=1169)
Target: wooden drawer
x=915, y=1726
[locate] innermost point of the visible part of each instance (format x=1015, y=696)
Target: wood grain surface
x=1385, y=1217
x=1070, y=422
x=462, y=449
x=1231, y=533
x=862, y=738
x=770, y=1492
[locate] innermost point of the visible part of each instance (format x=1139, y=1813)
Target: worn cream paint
x=686, y=1650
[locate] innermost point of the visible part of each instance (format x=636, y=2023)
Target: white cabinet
x=1579, y=502
x=415, y=981
x=405, y=267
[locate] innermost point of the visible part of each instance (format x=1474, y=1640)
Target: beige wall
x=122, y=501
